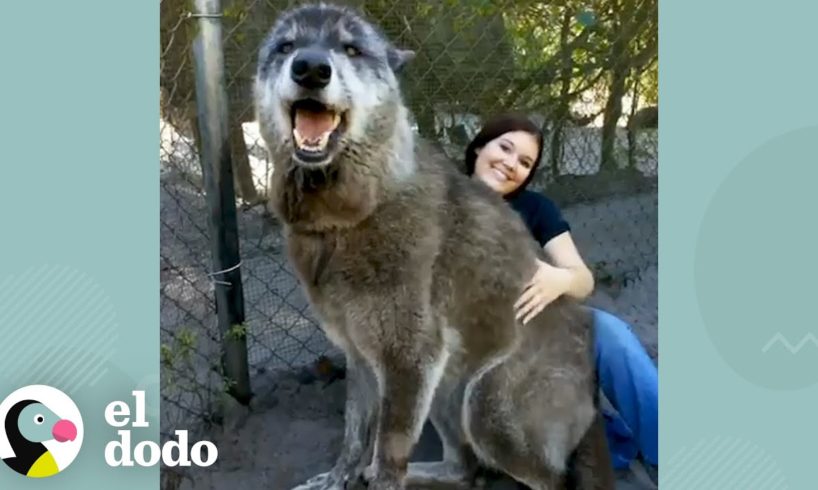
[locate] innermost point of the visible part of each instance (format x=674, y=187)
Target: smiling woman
x=504, y=155
x=506, y=162
x=493, y=155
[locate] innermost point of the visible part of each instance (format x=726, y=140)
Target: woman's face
x=505, y=162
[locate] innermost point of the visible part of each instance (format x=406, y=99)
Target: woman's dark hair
x=498, y=126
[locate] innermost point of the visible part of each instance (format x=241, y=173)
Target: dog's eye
x=351, y=50
x=284, y=48
x=39, y=419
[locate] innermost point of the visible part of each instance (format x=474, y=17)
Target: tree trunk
x=613, y=107
x=631, y=130
x=613, y=111
x=561, y=112
x=242, y=172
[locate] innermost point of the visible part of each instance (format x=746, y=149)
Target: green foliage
x=166, y=355
x=176, y=357
x=235, y=11
x=237, y=332
x=649, y=85
x=181, y=348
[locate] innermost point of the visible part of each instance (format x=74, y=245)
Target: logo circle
x=755, y=268
x=41, y=431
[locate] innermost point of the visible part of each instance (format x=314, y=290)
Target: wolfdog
x=413, y=270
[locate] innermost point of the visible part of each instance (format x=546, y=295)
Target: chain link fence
x=586, y=71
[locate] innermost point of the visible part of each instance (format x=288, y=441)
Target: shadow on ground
x=294, y=431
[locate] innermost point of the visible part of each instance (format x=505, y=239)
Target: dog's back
x=484, y=256
x=534, y=383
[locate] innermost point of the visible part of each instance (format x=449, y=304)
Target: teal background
x=739, y=125
x=79, y=201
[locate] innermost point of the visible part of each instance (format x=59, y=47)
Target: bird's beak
x=64, y=430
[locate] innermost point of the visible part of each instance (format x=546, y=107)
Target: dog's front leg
x=359, y=421
x=408, y=370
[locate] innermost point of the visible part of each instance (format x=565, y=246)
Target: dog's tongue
x=312, y=125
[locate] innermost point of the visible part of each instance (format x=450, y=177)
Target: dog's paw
x=385, y=484
x=430, y=473
x=323, y=481
x=381, y=480
x=369, y=472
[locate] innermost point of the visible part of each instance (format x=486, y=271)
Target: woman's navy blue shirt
x=540, y=214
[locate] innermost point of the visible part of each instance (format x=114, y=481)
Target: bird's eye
x=39, y=419
x=284, y=48
x=351, y=50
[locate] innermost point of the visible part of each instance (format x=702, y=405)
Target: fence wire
x=585, y=70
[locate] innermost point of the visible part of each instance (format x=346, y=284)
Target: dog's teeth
x=315, y=144
x=299, y=140
x=303, y=142
x=324, y=139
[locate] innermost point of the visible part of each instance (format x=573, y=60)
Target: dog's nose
x=311, y=69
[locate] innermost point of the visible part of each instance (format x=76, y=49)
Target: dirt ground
x=295, y=426
x=294, y=430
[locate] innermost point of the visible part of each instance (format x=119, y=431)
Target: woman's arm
x=578, y=281
x=568, y=276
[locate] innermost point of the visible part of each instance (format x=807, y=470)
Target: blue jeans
x=629, y=379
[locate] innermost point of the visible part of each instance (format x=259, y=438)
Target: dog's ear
x=399, y=57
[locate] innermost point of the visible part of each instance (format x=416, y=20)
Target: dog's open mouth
x=316, y=129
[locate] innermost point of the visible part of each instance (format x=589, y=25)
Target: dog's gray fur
x=414, y=270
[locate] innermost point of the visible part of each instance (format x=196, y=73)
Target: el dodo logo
x=41, y=431
x=148, y=453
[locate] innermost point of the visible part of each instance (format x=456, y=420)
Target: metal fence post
x=217, y=169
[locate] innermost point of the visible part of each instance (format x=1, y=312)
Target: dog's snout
x=311, y=69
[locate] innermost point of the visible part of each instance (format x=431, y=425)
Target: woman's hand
x=548, y=284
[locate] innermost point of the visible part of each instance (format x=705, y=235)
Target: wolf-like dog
x=413, y=270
